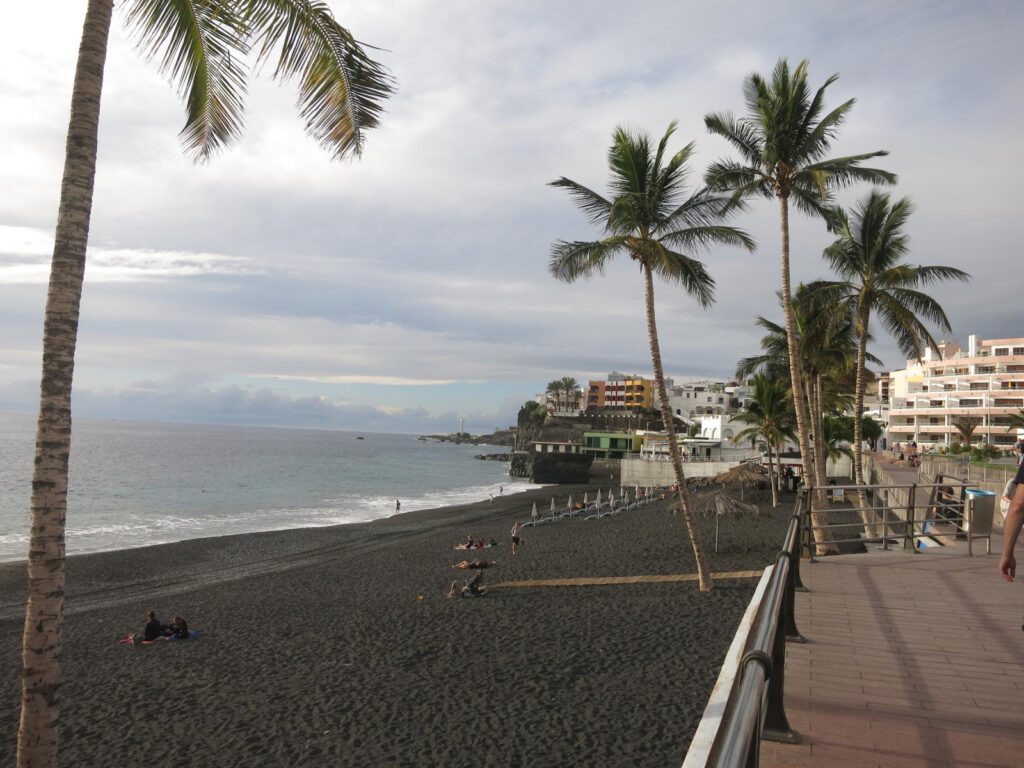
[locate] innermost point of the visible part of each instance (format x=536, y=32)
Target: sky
x=409, y=289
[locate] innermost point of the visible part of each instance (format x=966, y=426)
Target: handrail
x=755, y=709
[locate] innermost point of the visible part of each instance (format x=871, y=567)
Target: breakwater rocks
x=494, y=456
x=500, y=437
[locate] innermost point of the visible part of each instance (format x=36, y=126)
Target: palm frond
x=200, y=46
x=570, y=261
x=673, y=267
x=341, y=89
x=740, y=133
x=592, y=204
x=844, y=171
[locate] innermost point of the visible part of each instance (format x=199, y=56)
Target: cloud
x=415, y=280
x=25, y=260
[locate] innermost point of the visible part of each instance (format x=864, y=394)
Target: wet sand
x=315, y=648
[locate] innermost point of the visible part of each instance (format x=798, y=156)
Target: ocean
x=133, y=484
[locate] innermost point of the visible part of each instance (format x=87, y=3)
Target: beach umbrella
x=743, y=475
x=721, y=504
x=598, y=501
x=611, y=500
x=533, y=514
x=552, y=506
x=586, y=500
x=568, y=505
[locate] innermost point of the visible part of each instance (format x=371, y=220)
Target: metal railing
x=901, y=513
x=755, y=706
x=755, y=710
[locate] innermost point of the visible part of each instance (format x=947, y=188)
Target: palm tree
x=867, y=256
x=784, y=143
x=768, y=415
x=201, y=46
x=966, y=425
x=571, y=390
x=1016, y=421
x=649, y=219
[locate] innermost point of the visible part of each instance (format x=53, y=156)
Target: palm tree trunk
x=771, y=475
x=703, y=572
x=821, y=537
x=820, y=444
x=869, y=517
x=44, y=614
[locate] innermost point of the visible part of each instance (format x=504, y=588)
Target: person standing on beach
x=1011, y=529
x=398, y=506
x=515, y=537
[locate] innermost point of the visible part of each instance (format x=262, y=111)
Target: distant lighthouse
x=462, y=425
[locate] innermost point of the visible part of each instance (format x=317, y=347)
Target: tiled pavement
x=911, y=660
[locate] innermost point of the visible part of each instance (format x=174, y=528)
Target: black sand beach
x=315, y=649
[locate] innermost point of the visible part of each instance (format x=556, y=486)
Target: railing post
x=776, y=724
x=969, y=511
x=788, y=618
x=908, y=542
x=884, y=517
x=794, y=561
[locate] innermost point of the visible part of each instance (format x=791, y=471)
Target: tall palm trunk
x=703, y=573
x=41, y=641
x=820, y=444
x=868, y=517
x=821, y=537
x=771, y=474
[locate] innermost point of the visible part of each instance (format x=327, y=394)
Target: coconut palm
x=966, y=425
x=784, y=143
x=868, y=257
x=202, y=46
x=768, y=415
x=649, y=219
x=1016, y=421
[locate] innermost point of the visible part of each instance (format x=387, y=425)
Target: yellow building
x=638, y=393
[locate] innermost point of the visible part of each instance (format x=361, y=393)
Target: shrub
x=984, y=453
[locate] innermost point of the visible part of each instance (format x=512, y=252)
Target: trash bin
x=983, y=505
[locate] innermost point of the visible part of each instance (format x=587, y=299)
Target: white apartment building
x=984, y=381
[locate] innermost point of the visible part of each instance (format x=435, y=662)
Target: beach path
x=911, y=660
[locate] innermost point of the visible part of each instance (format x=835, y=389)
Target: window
x=1001, y=351
x=1018, y=350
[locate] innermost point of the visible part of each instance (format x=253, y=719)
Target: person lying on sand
x=475, y=564
x=476, y=544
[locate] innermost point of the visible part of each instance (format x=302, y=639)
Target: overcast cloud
x=406, y=290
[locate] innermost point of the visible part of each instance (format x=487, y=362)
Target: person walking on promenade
x=515, y=537
x=1011, y=529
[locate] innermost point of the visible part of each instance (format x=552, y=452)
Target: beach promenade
x=911, y=660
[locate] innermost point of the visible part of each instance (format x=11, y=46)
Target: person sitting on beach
x=178, y=629
x=153, y=629
x=475, y=564
x=473, y=588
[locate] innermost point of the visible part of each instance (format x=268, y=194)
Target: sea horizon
x=138, y=483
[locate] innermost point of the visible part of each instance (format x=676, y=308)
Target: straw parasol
x=720, y=504
x=743, y=475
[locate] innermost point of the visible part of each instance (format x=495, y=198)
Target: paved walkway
x=911, y=660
